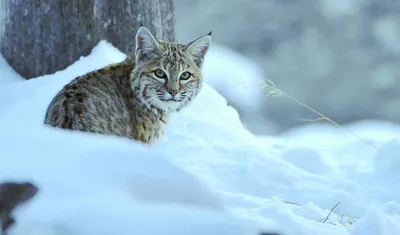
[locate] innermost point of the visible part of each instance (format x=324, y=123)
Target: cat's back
x=96, y=100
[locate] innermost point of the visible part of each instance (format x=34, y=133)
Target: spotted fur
x=128, y=98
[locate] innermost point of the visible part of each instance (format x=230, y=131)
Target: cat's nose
x=172, y=92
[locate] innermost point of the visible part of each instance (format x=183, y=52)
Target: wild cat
x=133, y=98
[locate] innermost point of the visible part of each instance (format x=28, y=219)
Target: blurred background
x=341, y=57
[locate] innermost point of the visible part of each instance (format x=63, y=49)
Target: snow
x=239, y=80
x=233, y=75
x=208, y=175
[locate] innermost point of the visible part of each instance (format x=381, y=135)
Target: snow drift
x=208, y=175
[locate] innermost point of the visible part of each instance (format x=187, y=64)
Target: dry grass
x=343, y=220
x=274, y=91
x=332, y=217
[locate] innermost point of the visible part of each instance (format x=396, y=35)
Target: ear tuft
x=199, y=47
x=145, y=41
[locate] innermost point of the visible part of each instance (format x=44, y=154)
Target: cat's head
x=167, y=76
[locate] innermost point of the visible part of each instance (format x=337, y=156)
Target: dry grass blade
x=350, y=219
x=330, y=212
x=273, y=90
x=291, y=203
x=311, y=120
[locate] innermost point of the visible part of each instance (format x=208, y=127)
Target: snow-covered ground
x=239, y=80
x=209, y=175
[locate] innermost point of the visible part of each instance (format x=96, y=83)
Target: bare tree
x=44, y=36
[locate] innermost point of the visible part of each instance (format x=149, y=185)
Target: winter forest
x=189, y=117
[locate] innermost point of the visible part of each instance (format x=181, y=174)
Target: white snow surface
x=208, y=175
x=236, y=77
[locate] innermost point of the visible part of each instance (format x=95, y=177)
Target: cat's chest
x=148, y=127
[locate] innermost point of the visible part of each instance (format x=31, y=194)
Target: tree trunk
x=44, y=36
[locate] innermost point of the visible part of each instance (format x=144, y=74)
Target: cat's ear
x=145, y=42
x=199, y=47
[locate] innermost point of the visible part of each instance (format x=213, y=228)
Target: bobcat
x=133, y=98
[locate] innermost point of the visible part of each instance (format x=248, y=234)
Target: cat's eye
x=160, y=73
x=185, y=76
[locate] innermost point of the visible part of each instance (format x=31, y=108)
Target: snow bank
x=234, y=76
x=94, y=185
x=209, y=175
x=241, y=82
